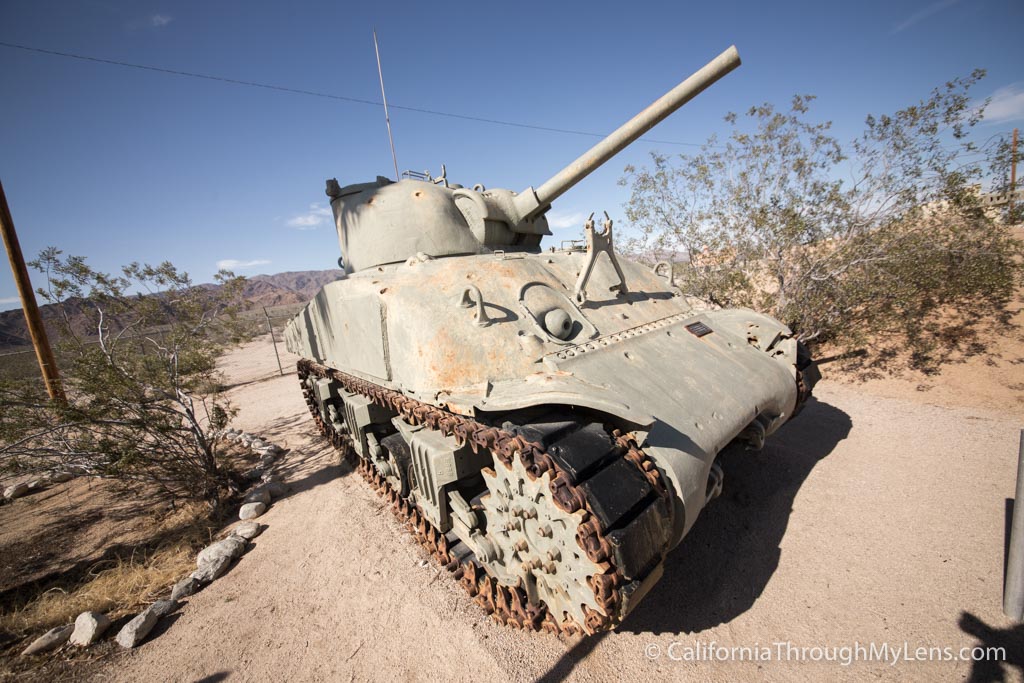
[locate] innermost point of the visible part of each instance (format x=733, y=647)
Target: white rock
x=211, y=570
x=251, y=510
x=61, y=477
x=40, y=483
x=16, y=491
x=258, y=444
x=89, y=626
x=260, y=494
x=214, y=559
x=50, y=640
x=184, y=588
x=248, y=530
x=133, y=633
x=231, y=547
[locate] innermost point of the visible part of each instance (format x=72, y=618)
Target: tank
x=547, y=420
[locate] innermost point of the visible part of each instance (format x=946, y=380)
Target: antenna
x=387, y=118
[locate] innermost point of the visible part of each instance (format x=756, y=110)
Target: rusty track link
x=507, y=605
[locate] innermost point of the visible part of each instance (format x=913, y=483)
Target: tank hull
x=468, y=337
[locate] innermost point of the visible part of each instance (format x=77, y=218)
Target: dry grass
x=119, y=586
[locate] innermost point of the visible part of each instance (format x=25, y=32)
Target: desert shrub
x=138, y=355
x=887, y=243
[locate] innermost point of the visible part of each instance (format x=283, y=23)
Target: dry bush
x=138, y=357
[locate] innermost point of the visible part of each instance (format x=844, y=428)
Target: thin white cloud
x=6, y=300
x=922, y=14
x=1006, y=104
x=561, y=220
x=305, y=221
x=235, y=264
x=160, y=20
x=312, y=219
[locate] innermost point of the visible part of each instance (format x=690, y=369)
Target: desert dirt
x=869, y=519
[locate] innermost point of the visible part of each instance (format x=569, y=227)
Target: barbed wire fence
x=272, y=321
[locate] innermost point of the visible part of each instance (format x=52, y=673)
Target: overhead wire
x=331, y=96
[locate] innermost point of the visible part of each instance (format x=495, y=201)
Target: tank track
x=619, y=534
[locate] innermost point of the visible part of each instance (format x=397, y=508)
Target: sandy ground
x=67, y=526
x=870, y=519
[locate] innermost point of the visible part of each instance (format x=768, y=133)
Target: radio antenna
x=387, y=118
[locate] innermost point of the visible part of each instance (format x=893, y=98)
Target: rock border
x=211, y=562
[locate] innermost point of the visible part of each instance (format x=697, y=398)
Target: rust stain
x=448, y=365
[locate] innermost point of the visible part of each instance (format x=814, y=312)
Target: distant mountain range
x=282, y=289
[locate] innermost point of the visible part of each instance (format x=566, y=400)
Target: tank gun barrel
x=628, y=133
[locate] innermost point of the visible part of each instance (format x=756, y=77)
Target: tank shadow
x=304, y=481
x=561, y=669
x=309, y=461
x=723, y=565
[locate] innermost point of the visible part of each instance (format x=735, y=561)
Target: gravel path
x=868, y=519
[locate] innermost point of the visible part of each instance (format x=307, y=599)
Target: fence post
x=270, y=328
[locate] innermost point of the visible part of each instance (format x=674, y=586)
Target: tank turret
x=388, y=222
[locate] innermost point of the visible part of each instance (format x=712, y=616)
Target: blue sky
x=120, y=164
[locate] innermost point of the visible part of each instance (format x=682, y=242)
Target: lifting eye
x=558, y=323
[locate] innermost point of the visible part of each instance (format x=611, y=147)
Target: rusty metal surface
x=507, y=604
x=632, y=356
x=435, y=345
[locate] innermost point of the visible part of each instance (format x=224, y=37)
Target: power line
x=313, y=93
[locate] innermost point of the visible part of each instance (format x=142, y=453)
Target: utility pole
x=44, y=354
x=270, y=327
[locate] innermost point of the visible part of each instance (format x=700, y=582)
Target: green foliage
x=888, y=244
x=140, y=375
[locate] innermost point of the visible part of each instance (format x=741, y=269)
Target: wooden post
x=270, y=328
x=44, y=354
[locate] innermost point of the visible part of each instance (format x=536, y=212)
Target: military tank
x=546, y=420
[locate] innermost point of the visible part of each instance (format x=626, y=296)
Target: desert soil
x=869, y=519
